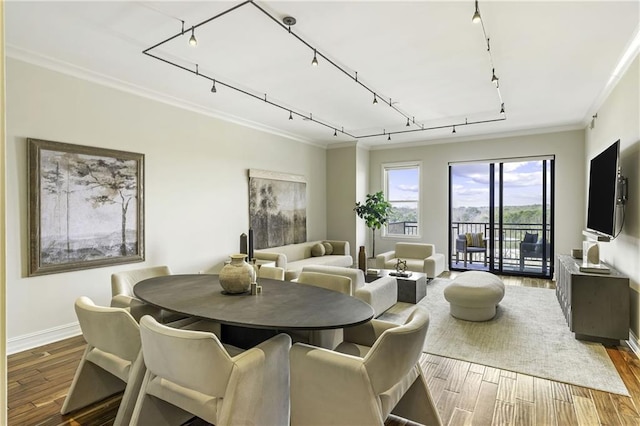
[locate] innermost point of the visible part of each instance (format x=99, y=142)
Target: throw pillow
x=475, y=239
x=328, y=248
x=530, y=238
x=317, y=250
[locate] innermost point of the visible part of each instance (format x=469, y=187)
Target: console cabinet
x=596, y=306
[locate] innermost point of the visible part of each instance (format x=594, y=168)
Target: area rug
x=529, y=335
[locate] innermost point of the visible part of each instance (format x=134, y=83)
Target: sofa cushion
x=317, y=250
x=328, y=248
x=475, y=239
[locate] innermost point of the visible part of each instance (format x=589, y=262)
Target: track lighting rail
x=419, y=127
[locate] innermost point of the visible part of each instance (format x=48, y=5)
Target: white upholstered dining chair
x=271, y=272
x=112, y=361
x=373, y=373
x=190, y=373
x=122, y=295
x=381, y=294
x=342, y=284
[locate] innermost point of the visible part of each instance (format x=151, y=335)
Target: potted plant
x=375, y=211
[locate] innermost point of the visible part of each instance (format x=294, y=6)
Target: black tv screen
x=603, y=178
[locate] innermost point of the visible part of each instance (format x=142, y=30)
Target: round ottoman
x=474, y=295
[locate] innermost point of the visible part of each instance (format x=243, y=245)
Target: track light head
x=314, y=61
x=408, y=122
x=335, y=132
x=213, y=87
x=290, y=115
x=476, y=16
x=375, y=99
x=454, y=129
x=389, y=137
x=494, y=79
x=502, y=108
x=192, y=40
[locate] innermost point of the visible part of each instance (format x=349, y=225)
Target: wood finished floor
x=465, y=393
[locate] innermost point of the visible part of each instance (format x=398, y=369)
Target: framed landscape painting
x=86, y=207
x=277, y=208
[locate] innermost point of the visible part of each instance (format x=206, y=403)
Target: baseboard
x=634, y=344
x=44, y=337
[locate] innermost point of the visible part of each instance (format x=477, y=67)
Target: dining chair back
x=190, y=373
x=122, y=295
x=383, y=376
x=271, y=272
x=332, y=282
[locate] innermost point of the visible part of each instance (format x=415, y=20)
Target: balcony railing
x=402, y=228
x=509, y=241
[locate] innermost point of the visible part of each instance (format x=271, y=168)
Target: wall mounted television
x=603, y=196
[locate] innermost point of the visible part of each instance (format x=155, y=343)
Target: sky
x=403, y=185
x=522, y=184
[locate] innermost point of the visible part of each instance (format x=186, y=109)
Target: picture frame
x=86, y=207
x=277, y=208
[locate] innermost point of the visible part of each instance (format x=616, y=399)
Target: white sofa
x=420, y=257
x=294, y=257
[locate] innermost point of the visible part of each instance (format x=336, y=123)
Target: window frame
x=385, y=167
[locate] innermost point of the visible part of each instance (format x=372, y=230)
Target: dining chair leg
x=84, y=391
x=128, y=402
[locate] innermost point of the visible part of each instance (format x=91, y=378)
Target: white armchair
x=190, y=373
x=112, y=360
x=420, y=258
x=373, y=373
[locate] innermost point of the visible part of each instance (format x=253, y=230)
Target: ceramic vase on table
x=236, y=277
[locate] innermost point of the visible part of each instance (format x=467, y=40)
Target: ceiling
x=426, y=60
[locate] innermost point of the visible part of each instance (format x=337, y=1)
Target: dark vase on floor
x=362, y=259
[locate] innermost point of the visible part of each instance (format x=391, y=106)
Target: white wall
x=3, y=322
x=196, y=186
x=341, y=190
x=347, y=182
x=568, y=148
x=619, y=118
x=362, y=186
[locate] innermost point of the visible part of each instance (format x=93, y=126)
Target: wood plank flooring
x=465, y=393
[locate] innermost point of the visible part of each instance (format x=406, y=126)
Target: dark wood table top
x=281, y=305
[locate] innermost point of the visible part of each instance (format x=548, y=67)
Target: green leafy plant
x=375, y=211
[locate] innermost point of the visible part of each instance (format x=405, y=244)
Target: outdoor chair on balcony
x=470, y=243
x=531, y=248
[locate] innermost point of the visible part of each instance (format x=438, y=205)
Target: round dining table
x=282, y=305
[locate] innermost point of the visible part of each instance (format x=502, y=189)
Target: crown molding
x=488, y=136
x=347, y=144
x=631, y=52
x=81, y=73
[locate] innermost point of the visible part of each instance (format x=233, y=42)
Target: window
x=402, y=190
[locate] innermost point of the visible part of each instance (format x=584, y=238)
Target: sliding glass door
x=501, y=216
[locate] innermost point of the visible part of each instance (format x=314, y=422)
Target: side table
x=411, y=289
